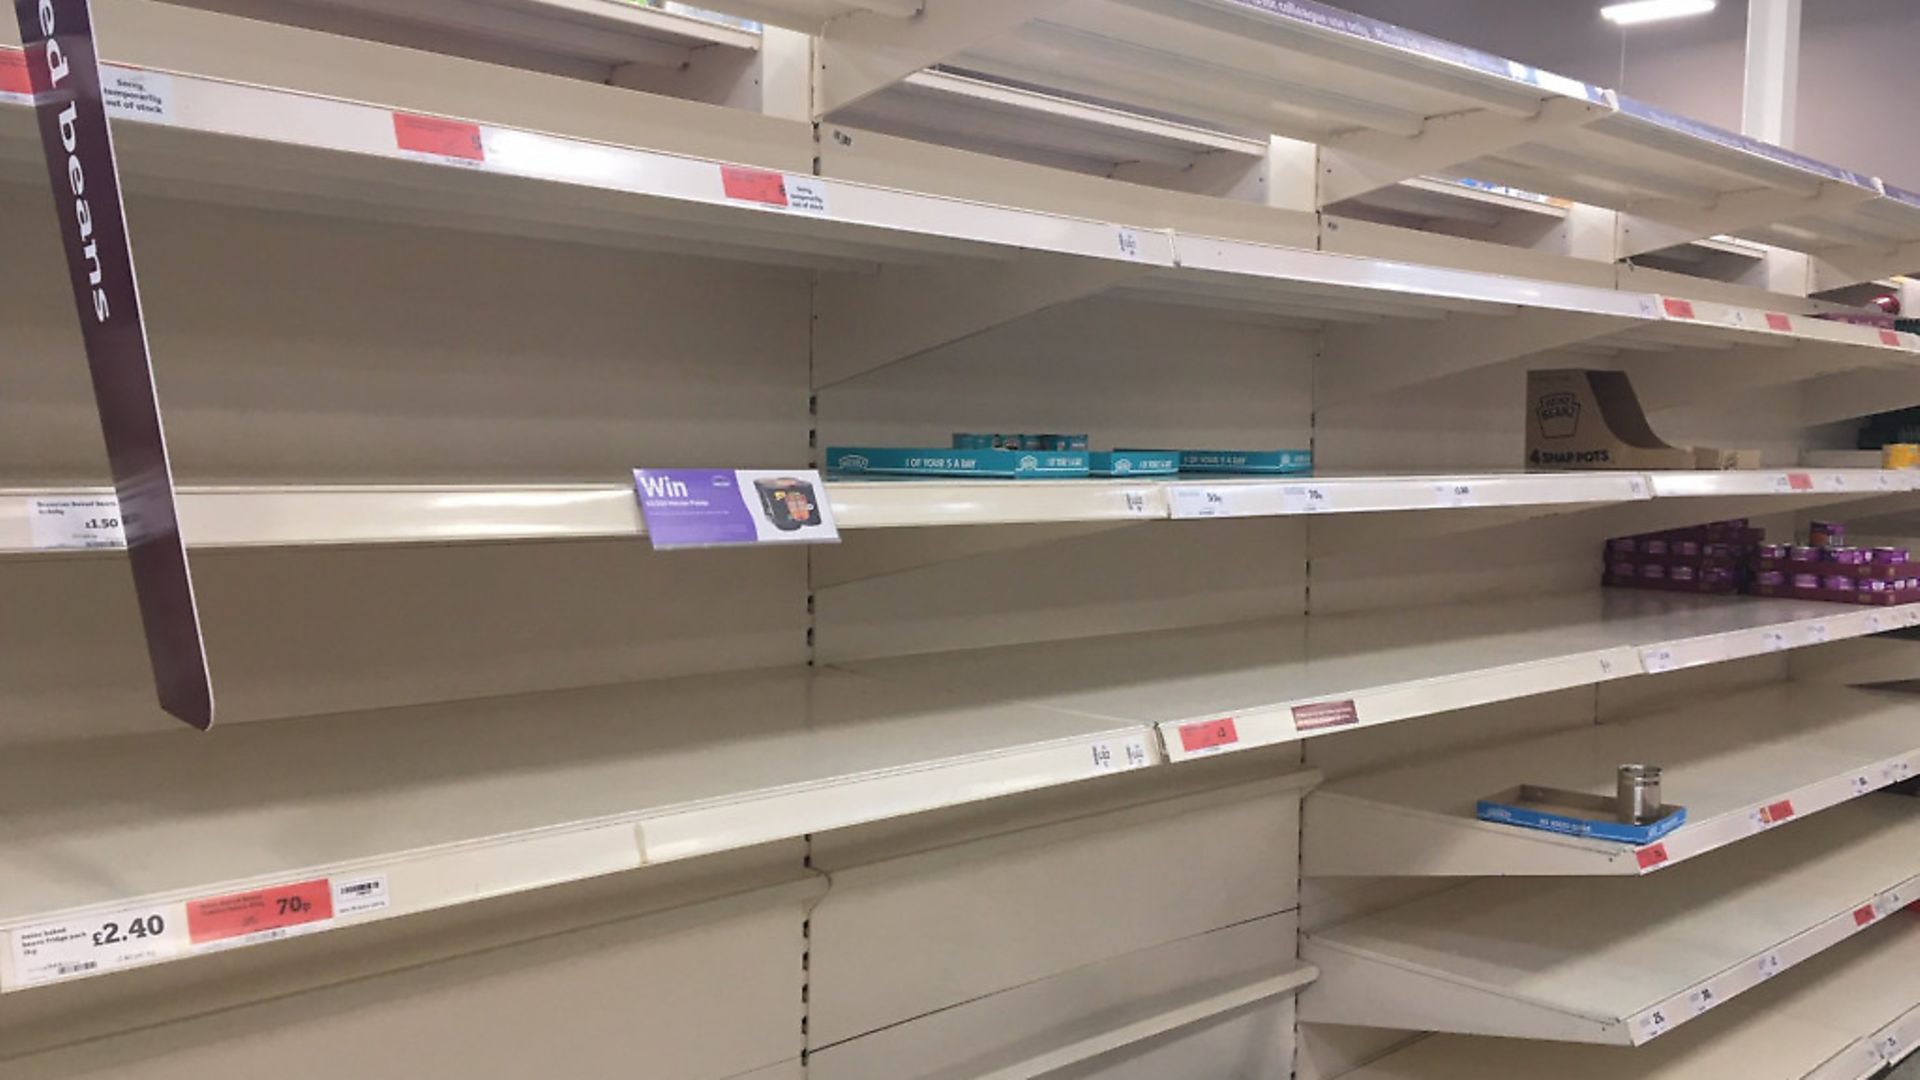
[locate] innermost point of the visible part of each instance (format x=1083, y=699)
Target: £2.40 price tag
x=96, y=944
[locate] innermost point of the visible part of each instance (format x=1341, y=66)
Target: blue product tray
x=1573, y=813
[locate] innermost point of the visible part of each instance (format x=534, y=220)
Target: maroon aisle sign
x=65, y=73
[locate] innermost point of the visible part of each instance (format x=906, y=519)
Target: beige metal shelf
x=1741, y=764
x=1226, y=688
x=1844, y=1015
x=452, y=803
x=1619, y=961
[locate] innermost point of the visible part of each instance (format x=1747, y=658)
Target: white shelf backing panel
x=1618, y=960
x=258, y=134
x=1841, y=1016
x=1235, y=687
x=1741, y=765
x=456, y=802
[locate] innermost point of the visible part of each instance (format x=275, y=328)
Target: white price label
x=1455, y=494
x=360, y=895
x=1658, y=659
x=1888, y=1047
x=1736, y=317
x=1817, y=633
x=1899, y=772
x=1889, y=902
x=1190, y=503
x=1637, y=487
x=96, y=944
x=1654, y=1024
x=1862, y=784
x=1883, y=481
x=1874, y=623
x=1309, y=499
x=1606, y=666
x=80, y=521
x=1128, y=242
x=807, y=195
x=1770, y=965
x=132, y=94
x=1128, y=753
x=1774, y=640
x=1136, y=502
x=1833, y=482
x=1702, y=999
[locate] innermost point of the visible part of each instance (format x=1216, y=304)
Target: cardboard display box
x=1582, y=419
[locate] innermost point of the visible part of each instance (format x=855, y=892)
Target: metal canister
x=1639, y=794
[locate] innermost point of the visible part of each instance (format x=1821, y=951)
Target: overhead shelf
x=1740, y=764
x=282, y=148
x=1619, y=961
x=1226, y=688
x=1844, y=1015
x=1388, y=104
x=600, y=41
x=450, y=803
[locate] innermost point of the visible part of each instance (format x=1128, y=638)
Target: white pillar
x=1773, y=70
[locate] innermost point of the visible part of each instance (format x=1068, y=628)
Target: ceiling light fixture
x=1646, y=11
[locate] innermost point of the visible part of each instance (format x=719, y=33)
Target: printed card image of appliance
x=789, y=502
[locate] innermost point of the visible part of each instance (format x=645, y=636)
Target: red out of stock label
x=1773, y=813
x=1651, y=857
x=1863, y=915
x=754, y=185
x=1679, y=309
x=1799, y=481
x=1325, y=714
x=240, y=914
x=1777, y=321
x=1208, y=735
x=432, y=135
x=1889, y=337
x=13, y=72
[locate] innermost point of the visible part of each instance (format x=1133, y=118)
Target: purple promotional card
x=719, y=507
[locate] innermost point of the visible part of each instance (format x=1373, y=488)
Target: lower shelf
x=1844, y=1015
x=1619, y=961
x=362, y=816
x=1741, y=765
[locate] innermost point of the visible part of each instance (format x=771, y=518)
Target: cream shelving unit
x=1069, y=779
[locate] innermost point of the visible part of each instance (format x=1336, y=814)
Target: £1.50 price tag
x=76, y=522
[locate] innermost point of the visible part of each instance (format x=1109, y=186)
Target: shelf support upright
x=78, y=144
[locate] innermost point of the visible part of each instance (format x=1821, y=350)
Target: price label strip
x=135, y=936
x=76, y=522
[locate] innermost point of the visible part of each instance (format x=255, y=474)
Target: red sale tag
x=432, y=135
x=1679, y=309
x=1651, y=857
x=1774, y=813
x=1325, y=714
x=221, y=917
x=1889, y=337
x=1800, y=481
x=1209, y=734
x=1777, y=321
x=1863, y=915
x=13, y=72
x=754, y=185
